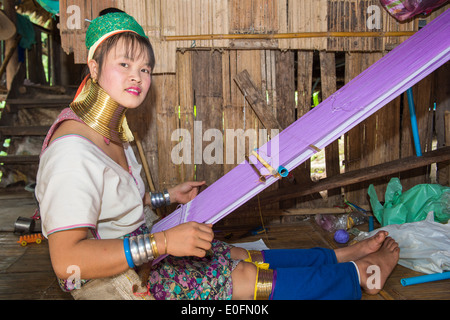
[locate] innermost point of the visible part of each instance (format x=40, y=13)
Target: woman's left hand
x=185, y=192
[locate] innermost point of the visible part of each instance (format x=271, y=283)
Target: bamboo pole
x=9, y=55
x=297, y=35
x=145, y=166
x=355, y=176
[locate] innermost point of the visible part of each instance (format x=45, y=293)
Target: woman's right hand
x=187, y=239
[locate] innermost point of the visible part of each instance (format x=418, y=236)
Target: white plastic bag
x=424, y=245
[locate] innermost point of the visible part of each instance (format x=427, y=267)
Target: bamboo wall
x=227, y=24
x=193, y=84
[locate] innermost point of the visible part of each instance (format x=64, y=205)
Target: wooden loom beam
x=357, y=176
x=389, y=77
x=295, y=35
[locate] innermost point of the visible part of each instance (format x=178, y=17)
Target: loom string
x=245, y=98
x=262, y=222
x=421, y=68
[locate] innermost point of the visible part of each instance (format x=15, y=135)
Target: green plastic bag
x=412, y=205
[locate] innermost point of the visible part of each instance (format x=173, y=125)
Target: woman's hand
x=188, y=239
x=185, y=192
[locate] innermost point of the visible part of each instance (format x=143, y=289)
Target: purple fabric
x=406, y=9
x=386, y=79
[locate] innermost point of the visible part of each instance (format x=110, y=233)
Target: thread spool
x=24, y=225
x=283, y=171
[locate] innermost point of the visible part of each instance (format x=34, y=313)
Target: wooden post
x=447, y=142
x=256, y=101
x=11, y=52
x=441, y=97
x=13, y=66
x=207, y=94
x=328, y=79
x=357, y=176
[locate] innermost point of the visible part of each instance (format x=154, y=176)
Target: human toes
x=376, y=241
x=390, y=244
x=381, y=235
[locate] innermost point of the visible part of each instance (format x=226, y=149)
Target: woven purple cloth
x=382, y=82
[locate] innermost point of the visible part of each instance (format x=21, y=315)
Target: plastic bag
x=405, y=9
x=332, y=223
x=412, y=205
x=424, y=245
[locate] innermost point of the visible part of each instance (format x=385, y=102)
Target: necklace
x=100, y=112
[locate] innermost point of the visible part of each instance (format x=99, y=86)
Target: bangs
x=136, y=47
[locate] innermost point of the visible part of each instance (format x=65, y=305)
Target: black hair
x=109, y=10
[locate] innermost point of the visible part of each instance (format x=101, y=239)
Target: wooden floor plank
x=26, y=272
x=308, y=234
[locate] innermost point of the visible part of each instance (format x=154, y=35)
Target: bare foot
x=362, y=248
x=375, y=268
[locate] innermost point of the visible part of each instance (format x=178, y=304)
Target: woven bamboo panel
x=74, y=16
x=302, y=16
x=282, y=24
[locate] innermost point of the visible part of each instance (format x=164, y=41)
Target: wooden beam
x=12, y=66
x=356, y=176
x=8, y=57
x=13, y=159
x=296, y=35
x=328, y=87
x=308, y=211
x=39, y=102
x=258, y=103
x=24, y=130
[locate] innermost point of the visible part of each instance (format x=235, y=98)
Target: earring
x=94, y=81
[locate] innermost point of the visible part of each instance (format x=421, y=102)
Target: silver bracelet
x=157, y=200
x=148, y=247
x=141, y=247
x=166, y=197
x=134, y=249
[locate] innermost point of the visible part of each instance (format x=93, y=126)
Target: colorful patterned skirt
x=186, y=278
x=190, y=278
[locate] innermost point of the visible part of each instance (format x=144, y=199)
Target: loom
x=372, y=89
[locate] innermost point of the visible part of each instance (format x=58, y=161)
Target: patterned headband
x=107, y=25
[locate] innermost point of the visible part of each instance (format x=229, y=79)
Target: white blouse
x=78, y=185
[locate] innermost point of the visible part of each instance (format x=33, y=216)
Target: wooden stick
x=304, y=211
x=8, y=57
x=261, y=177
x=296, y=35
x=356, y=176
x=145, y=165
x=258, y=104
x=256, y=101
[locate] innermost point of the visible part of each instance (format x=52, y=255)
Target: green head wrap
x=104, y=26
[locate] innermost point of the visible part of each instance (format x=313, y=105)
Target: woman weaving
x=92, y=202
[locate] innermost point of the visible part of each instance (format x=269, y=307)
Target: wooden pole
x=356, y=176
x=13, y=66
x=447, y=140
x=256, y=101
x=296, y=35
x=8, y=57
x=145, y=166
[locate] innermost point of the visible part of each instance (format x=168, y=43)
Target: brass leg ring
x=264, y=282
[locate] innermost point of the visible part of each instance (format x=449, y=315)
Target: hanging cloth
x=51, y=6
